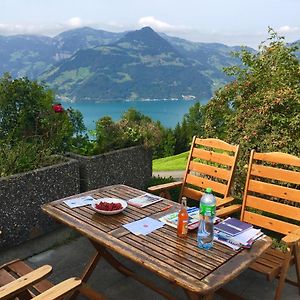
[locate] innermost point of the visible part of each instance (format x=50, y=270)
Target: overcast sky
x=232, y=22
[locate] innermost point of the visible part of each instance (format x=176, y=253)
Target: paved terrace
x=68, y=253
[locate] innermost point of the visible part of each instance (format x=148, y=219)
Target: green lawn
x=171, y=163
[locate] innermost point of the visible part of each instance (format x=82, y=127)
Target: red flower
x=57, y=108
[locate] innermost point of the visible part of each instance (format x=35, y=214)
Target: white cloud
x=287, y=29
x=74, y=22
x=160, y=26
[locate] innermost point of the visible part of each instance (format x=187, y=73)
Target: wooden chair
x=211, y=163
x=272, y=201
x=19, y=281
x=15, y=287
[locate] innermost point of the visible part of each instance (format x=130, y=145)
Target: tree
x=260, y=109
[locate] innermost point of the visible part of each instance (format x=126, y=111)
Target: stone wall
x=131, y=166
x=22, y=195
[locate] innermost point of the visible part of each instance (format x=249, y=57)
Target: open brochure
x=144, y=200
x=172, y=218
x=193, y=222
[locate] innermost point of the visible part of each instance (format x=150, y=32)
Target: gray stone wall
x=131, y=166
x=22, y=195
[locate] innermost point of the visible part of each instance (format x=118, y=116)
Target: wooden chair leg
x=283, y=274
x=297, y=264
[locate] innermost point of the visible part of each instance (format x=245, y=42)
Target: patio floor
x=69, y=257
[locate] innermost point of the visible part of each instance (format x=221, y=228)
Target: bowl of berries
x=109, y=206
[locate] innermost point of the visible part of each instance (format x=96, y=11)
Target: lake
x=168, y=112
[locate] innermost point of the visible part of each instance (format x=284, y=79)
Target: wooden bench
x=272, y=201
x=211, y=163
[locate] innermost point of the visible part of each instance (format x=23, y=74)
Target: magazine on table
x=172, y=218
x=232, y=226
x=238, y=241
x=144, y=200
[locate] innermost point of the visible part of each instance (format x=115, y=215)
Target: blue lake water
x=168, y=112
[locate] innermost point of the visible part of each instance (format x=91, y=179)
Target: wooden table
x=199, y=272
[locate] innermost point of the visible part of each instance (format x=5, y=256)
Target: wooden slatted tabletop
x=197, y=271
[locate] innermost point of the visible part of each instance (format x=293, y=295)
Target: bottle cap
x=208, y=191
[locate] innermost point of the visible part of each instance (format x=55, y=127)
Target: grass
x=171, y=163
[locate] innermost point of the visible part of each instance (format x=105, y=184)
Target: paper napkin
x=143, y=226
x=81, y=201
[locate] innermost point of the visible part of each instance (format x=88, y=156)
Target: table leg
x=127, y=272
x=87, y=272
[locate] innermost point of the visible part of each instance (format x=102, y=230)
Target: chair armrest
x=60, y=289
x=13, y=288
x=221, y=202
x=228, y=210
x=292, y=237
x=163, y=187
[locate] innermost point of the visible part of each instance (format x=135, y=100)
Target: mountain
x=139, y=65
x=26, y=55
x=30, y=55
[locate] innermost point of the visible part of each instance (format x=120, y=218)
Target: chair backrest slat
x=211, y=163
x=209, y=170
x=272, y=192
x=214, y=157
x=269, y=223
x=273, y=207
x=275, y=173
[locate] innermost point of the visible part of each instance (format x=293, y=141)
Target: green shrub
x=32, y=129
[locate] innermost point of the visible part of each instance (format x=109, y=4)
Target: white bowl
x=109, y=200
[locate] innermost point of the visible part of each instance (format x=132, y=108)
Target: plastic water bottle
x=207, y=212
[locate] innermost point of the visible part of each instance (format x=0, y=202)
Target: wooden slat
x=60, y=289
x=209, y=170
x=275, y=173
x=273, y=207
x=191, y=193
x=228, y=210
x=211, y=156
x=164, y=186
x=216, y=143
x=21, y=283
x=274, y=190
x=269, y=223
x=278, y=157
x=205, y=183
x=21, y=268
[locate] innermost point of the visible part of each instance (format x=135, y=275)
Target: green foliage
x=260, y=109
x=30, y=130
x=192, y=124
x=171, y=163
x=160, y=180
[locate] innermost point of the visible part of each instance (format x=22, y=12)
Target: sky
x=231, y=22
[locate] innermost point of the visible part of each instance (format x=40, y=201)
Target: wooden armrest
x=221, y=202
x=165, y=186
x=9, y=290
x=228, y=210
x=292, y=237
x=60, y=289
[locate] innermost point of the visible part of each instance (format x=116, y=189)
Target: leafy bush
x=133, y=129
x=32, y=128
x=260, y=109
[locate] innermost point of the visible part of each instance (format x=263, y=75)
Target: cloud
x=288, y=29
x=161, y=26
x=74, y=22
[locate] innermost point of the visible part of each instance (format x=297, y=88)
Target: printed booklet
x=232, y=226
x=144, y=200
x=172, y=218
